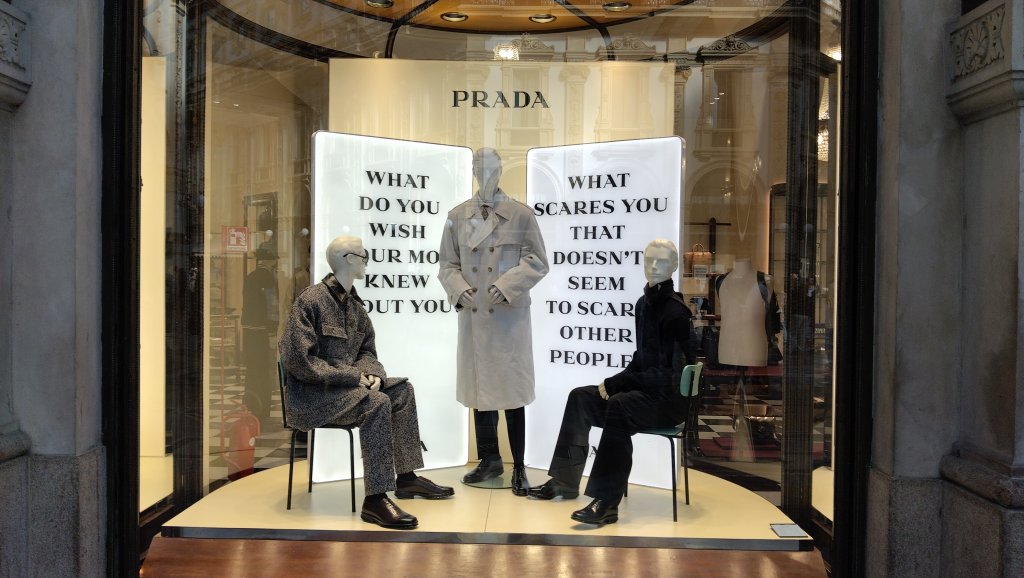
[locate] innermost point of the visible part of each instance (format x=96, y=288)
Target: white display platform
x=598, y=206
x=395, y=194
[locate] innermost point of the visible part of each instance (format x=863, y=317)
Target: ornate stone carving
x=15, y=77
x=979, y=44
x=730, y=44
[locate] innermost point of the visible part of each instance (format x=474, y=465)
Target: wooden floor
x=284, y=558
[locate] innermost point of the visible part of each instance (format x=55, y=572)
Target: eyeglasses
x=365, y=256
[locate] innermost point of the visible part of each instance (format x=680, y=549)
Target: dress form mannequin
x=742, y=340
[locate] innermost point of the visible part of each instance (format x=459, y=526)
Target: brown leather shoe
x=387, y=514
x=423, y=488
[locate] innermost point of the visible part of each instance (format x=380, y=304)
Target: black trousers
x=486, y=423
x=620, y=416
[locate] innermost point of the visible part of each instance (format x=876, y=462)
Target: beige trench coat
x=495, y=351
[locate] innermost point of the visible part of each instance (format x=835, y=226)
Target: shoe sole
x=563, y=495
x=410, y=495
x=382, y=524
x=475, y=480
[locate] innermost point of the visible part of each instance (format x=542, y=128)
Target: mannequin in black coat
x=643, y=395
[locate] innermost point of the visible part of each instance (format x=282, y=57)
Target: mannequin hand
x=601, y=390
x=496, y=295
x=466, y=299
x=369, y=381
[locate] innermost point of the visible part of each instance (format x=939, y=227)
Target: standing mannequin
x=491, y=255
x=643, y=395
x=333, y=376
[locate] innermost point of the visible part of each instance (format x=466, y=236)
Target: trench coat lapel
x=481, y=229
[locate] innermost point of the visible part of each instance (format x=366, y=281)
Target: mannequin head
x=347, y=259
x=661, y=259
x=487, y=170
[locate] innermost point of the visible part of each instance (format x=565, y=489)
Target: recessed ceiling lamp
x=542, y=18
x=616, y=6
x=380, y=3
x=454, y=17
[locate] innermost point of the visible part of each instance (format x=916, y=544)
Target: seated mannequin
x=334, y=377
x=644, y=395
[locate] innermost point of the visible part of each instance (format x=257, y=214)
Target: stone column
x=983, y=503
x=51, y=237
x=917, y=303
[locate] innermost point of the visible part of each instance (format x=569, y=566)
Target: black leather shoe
x=552, y=489
x=489, y=467
x=520, y=485
x=597, y=512
x=423, y=488
x=387, y=514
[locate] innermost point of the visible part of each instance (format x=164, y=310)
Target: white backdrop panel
x=394, y=194
x=598, y=206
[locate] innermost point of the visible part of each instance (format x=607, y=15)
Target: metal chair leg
x=352, y=468
x=291, y=468
x=672, y=455
x=686, y=471
x=309, y=458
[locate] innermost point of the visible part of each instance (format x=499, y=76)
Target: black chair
x=312, y=438
x=689, y=386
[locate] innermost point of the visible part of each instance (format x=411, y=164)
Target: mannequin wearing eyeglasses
x=333, y=376
x=491, y=255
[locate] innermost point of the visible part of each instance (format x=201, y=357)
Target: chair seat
x=664, y=431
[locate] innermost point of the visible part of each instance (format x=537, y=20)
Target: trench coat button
x=490, y=310
x=474, y=249
x=491, y=249
x=474, y=310
x=474, y=269
x=489, y=269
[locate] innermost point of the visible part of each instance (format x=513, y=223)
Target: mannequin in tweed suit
x=333, y=376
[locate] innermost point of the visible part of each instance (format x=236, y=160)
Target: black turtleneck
x=664, y=344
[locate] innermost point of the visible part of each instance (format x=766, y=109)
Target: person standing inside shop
x=491, y=255
x=259, y=325
x=333, y=376
x=643, y=395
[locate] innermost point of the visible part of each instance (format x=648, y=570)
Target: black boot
x=490, y=465
x=515, y=422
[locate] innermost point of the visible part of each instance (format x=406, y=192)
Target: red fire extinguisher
x=243, y=428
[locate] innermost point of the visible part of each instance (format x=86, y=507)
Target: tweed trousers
x=389, y=435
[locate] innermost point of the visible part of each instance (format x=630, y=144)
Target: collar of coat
x=500, y=205
x=659, y=292
x=334, y=286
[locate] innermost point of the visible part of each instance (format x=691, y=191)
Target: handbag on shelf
x=697, y=261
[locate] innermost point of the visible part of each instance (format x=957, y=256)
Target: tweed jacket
x=324, y=349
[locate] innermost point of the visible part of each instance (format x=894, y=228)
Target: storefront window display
x=712, y=123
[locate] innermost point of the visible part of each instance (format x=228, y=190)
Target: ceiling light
x=506, y=52
x=454, y=17
x=380, y=3
x=617, y=6
x=542, y=18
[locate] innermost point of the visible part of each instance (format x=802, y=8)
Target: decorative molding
x=15, y=56
x=727, y=45
x=628, y=45
x=1005, y=490
x=14, y=444
x=979, y=44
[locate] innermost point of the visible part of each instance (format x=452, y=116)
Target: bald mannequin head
x=661, y=259
x=487, y=170
x=347, y=259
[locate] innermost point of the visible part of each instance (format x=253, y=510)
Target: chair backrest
x=281, y=384
x=689, y=381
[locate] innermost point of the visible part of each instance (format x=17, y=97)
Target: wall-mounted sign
x=235, y=239
x=598, y=206
x=395, y=194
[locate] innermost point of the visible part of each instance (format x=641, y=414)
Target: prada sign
x=498, y=99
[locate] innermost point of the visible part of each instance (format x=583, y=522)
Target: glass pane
x=227, y=187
